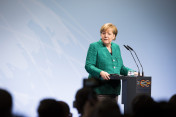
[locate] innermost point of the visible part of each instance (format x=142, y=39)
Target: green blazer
x=99, y=59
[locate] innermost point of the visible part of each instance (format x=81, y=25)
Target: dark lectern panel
x=131, y=87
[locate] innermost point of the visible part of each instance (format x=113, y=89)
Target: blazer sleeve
x=124, y=70
x=91, y=60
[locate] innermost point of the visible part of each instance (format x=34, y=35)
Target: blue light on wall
x=43, y=45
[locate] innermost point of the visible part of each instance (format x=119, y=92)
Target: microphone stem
x=136, y=63
x=139, y=63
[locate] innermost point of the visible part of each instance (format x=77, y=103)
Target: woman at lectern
x=104, y=58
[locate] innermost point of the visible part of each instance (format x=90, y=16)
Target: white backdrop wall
x=43, y=45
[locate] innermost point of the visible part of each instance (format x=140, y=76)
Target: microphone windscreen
x=129, y=47
x=126, y=47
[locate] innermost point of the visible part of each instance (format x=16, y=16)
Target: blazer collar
x=112, y=47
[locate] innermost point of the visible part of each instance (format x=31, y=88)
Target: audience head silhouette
x=50, y=108
x=106, y=108
x=65, y=108
x=145, y=106
x=5, y=103
x=172, y=100
x=83, y=96
x=141, y=101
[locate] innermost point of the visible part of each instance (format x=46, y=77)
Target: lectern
x=131, y=87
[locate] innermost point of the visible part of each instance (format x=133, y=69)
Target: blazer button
x=113, y=60
x=114, y=67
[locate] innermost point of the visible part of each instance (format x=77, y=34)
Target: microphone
x=133, y=58
x=137, y=58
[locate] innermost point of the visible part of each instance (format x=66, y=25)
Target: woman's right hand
x=105, y=75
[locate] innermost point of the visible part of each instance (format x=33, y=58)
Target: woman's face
x=107, y=36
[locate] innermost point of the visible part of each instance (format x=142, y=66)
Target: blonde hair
x=107, y=26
